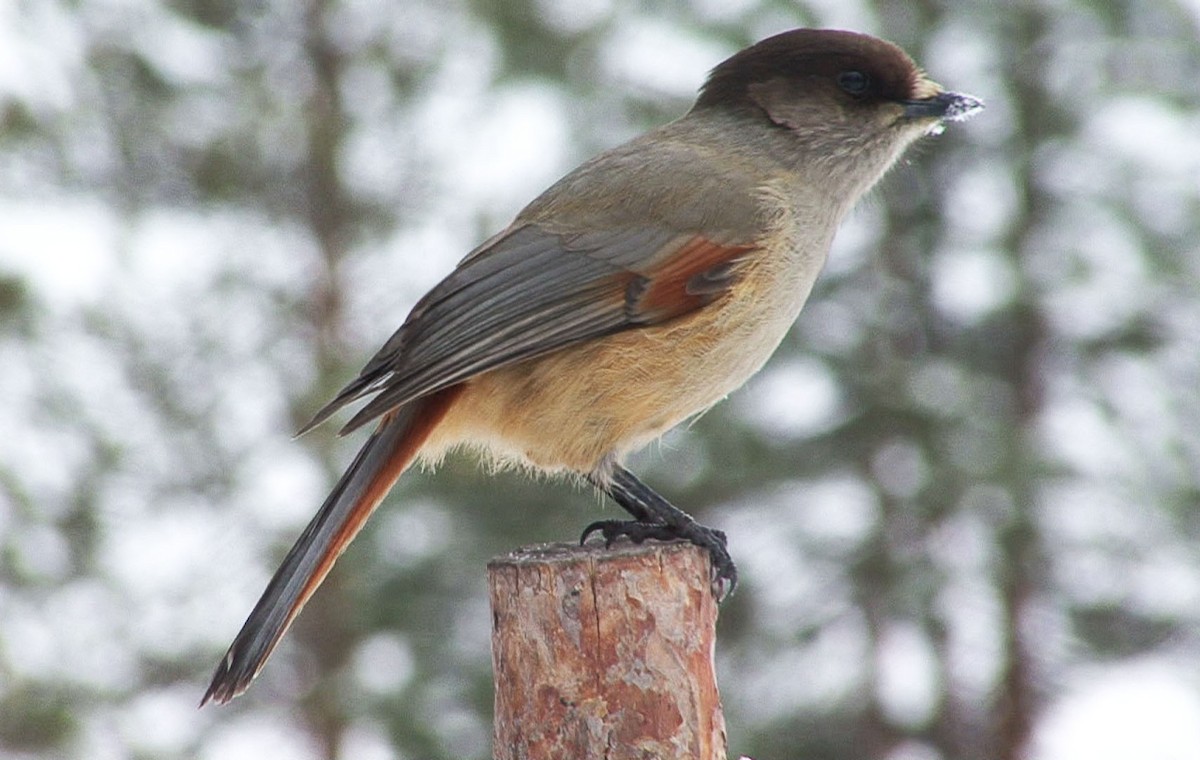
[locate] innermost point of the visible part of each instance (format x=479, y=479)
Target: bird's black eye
x=854, y=82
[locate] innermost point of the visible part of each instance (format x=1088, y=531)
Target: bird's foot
x=724, y=571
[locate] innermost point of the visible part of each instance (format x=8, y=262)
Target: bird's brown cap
x=877, y=69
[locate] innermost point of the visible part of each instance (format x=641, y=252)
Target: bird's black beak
x=947, y=106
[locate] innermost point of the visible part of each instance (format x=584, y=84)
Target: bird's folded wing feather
x=529, y=291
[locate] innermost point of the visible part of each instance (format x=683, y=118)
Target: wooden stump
x=605, y=653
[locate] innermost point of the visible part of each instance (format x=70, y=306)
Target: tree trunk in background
x=910, y=336
x=1018, y=345
x=325, y=631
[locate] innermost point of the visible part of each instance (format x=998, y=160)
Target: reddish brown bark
x=605, y=653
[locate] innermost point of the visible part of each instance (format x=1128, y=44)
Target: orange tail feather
x=386, y=454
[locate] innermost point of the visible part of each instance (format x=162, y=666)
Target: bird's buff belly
x=576, y=407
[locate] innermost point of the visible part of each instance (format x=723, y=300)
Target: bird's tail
x=386, y=454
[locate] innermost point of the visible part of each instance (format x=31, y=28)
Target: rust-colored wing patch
x=690, y=277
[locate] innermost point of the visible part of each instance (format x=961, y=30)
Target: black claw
x=635, y=531
x=724, y=571
x=655, y=517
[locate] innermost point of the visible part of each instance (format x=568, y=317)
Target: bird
x=633, y=294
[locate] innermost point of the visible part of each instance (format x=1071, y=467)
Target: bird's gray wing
x=529, y=291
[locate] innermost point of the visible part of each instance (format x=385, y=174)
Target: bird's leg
x=657, y=518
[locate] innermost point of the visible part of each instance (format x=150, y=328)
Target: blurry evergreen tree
x=971, y=470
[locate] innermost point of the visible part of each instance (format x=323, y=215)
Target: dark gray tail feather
x=386, y=454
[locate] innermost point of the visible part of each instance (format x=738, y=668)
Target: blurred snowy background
x=964, y=495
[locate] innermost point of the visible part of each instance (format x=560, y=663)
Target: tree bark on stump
x=605, y=653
